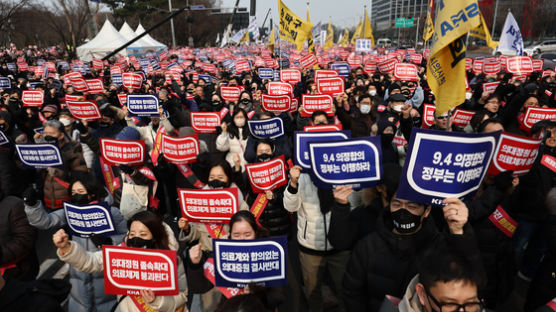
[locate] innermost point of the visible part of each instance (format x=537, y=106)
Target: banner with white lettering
x=356, y=162
x=240, y=262
x=266, y=128
x=462, y=118
x=536, y=114
x=333, y=85
x=95, y=86
x=230, y=93
x=84, y=110
x=428, y=115
x=279, y=88
x=90, y=219
x=181, y=150
x=443, y=164
x=132, y=81
x=343, y=69
x=301, y=147
x=405, y=71
x=313, y=103
x=40, y=156
x=266, y=73
x=142, y=105
x=209, y=206
x=32, y=98
x=268, y=175
x=123, y=152
x=5, y=83
x=514, y=152
x=129, y=270
x=276, y=103
x=205, y=122
x=290, y=75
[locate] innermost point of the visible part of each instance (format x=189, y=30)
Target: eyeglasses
x=476, y=306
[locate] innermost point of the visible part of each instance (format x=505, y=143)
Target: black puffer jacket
x=383, y=263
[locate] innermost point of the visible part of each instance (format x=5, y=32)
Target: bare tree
x=8, y=8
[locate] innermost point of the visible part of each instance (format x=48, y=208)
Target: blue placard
x=142, y=105
x=342, y=68
x=266, y=73
x=5, y=83
x=276, y=75
x=39, y=156
x=117, y=79
x=40, y=62
x=355, y=162
x=301, y=149
x=240, y=262
x=228, y=63
x=266, y=128
x=155, y=64
x=206, y=78
x=64, y=65
x=86, y=220
x=56, y=84
x=33, y=85
x=443, y=164
x=11, y=66
x=78, y=68
x=3, y=138
x=39, y=130
x=284, y=63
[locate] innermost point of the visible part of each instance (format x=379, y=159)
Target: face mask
x=398, y=108
x=372, y=92
x=404, y=221
x=468, y=95
x=217, y=184
x=50, y=139
x=240, y=122
x=216, y=103
x=386, y=139
x=80, y=199
x=66, y=122
x=138, y=242
x=103, y=124
x=365, y=109
x=246, y=102
x=263, y=157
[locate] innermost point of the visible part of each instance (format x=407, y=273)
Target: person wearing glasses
x=447, y=282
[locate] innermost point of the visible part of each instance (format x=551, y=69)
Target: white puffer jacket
x=233, y=146
x=312, y=225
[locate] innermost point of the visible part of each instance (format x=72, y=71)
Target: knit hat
x=128, y=134
x=50, y=109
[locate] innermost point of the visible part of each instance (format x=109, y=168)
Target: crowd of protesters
x=364, y=250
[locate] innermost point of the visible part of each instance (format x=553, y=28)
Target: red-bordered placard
x=95, y=86
x=536, y=114
x=405, y=71
x=230, y=93
x=209, y=205
x=325, y=73
x=519, y=65
x=333, y=85
x=276, y=103
x=313, y=103
x=122, y=152
x=268, y=175
x=279, y=88
x=428, y=115
x=308, y=61
x=290, y=75
x=387, y=66
x=461, y=117
x=79, y=84
x=32, y=98
x=489, y=87
x=320, y=128
x=205, y=122
x=132, y=81
x=514, y=152
x=181, y=150
x=84, y=110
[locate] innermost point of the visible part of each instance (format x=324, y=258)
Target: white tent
x=127, y=32
x=107, y=40
x=147, y=44
x=148, y=37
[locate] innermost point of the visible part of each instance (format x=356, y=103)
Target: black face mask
x=217, y=184
x=404, y=221
x=416, y=122
x=80, y=199
x=386, y=139
x=50, y=139
x=246, y=102
x=216, y=103
x=264, y=157
x=103, y=124
x=138, y=242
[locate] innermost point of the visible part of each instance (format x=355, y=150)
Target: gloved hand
x=100, y=240
x=126, y=169
x=503, y=181
x=81, y=128
x=30, y=196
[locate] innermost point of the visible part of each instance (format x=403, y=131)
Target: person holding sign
x=233, y=138
x=282, y=143
x=87, y=292
x=361, y=120
x=146, y=230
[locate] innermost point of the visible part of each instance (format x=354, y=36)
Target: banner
x=356, y=162
x=387, y=66
x=313, y=103
x=240, y=262
x=228, y=292
x=308, y=61
x=268, y=175
x=290, y=75
x=538, y=65
x=182, y=150
x=279, y=88
x=39, y=156
x=276, y=103
x=79, y=84
x=519, y=65
x=549, y=162
x=343, y=69
x=205, y=122
x=32, y=98
x=242, y=66
x=325, y=73
x=428, y=115
x=132, y=81
x=84, y=110
x=370, y=67
x=536, y=114
x=301, y=148
x=320, y=128
x=461, y=117
x=292, y=28
x=491, y=67
x=5, y=83
x=443, y=164
x=502, y=220
x=230, y=93
x=129, y=270
x=142, y=105
x=266, y=128
x=209, y=206
x=95, y=86
x=3, y=138
x=117, y=152
x=90, y=219
x=266, y=73
x=489, y=87
x=405, y=71
x=334, y=85
x=514, y=152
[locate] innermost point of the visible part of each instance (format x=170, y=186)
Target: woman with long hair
x=233, y=138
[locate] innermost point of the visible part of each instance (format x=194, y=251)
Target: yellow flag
x=329, y=37
x=272, y=39
x=482, y=33
x=429, y=26
x=358, y=32
x=310, y=42
x=368, y=30
x=345, y=38
x=446, y=67
x=293, y=28
x=245, y=38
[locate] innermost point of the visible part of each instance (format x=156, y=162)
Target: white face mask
x=240, y=122
x=468, y=95
x=365, y=109
x=398, y=108
x=66, y=122
x=372, y=92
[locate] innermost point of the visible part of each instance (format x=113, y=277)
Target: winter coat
x=225, y=143
x=383, y=263
x=88, y=154
x=410, y=301
x=92, y=262
x=56, y=186
x=87, y=291
x=17, y=240
x=312, y=224
x=24, y=296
